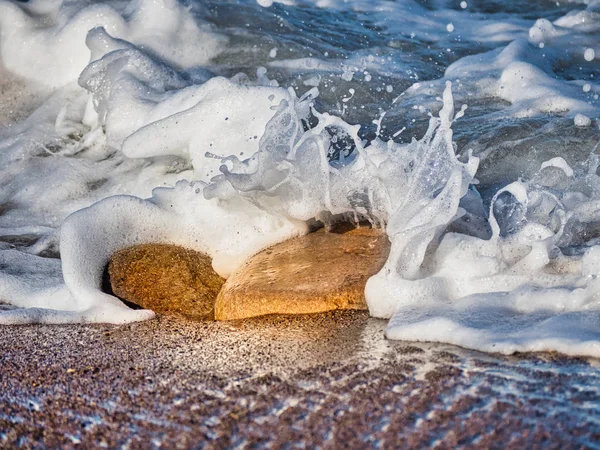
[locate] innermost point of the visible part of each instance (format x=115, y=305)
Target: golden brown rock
x=314, y=273
x=166, y=279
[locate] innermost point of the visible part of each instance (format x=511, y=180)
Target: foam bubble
x=589, y=54
x=582, y=121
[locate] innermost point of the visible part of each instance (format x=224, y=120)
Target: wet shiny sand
x=319, y=381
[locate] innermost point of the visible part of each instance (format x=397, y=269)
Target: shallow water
x=265, y=382
x=337, y=115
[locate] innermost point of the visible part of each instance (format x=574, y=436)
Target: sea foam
x=142, y=137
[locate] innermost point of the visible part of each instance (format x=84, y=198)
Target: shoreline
x=323, y=379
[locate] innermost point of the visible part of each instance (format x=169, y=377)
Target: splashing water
x=492, y=214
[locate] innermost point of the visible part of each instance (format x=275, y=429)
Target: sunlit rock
x=314, y=273
x=165, y=278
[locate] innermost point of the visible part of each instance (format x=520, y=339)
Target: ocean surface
x=467, y=130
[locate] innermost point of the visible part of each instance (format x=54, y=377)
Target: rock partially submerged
x=314, y=273
x=166, y=279
x=310, y=274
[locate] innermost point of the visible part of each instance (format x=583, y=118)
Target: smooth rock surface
x=166, y=279
x=319, y=272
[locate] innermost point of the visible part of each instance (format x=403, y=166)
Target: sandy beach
x=320, y=381
x=206, y=140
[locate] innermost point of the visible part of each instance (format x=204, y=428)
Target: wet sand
x=319, y=381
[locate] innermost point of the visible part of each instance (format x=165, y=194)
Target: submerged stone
x=314, y=273
x=166, y=278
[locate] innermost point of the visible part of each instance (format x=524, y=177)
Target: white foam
x=523, y=72
x=582, y=121
x=135, y=141
x=226, y=120
x=515, y=292
x=518, y=74
x=49, y=46
x=589, y=54
x=559, y=163
x=35, y=285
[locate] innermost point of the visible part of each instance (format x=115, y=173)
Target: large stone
x=166, y=278
x=314, y=273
